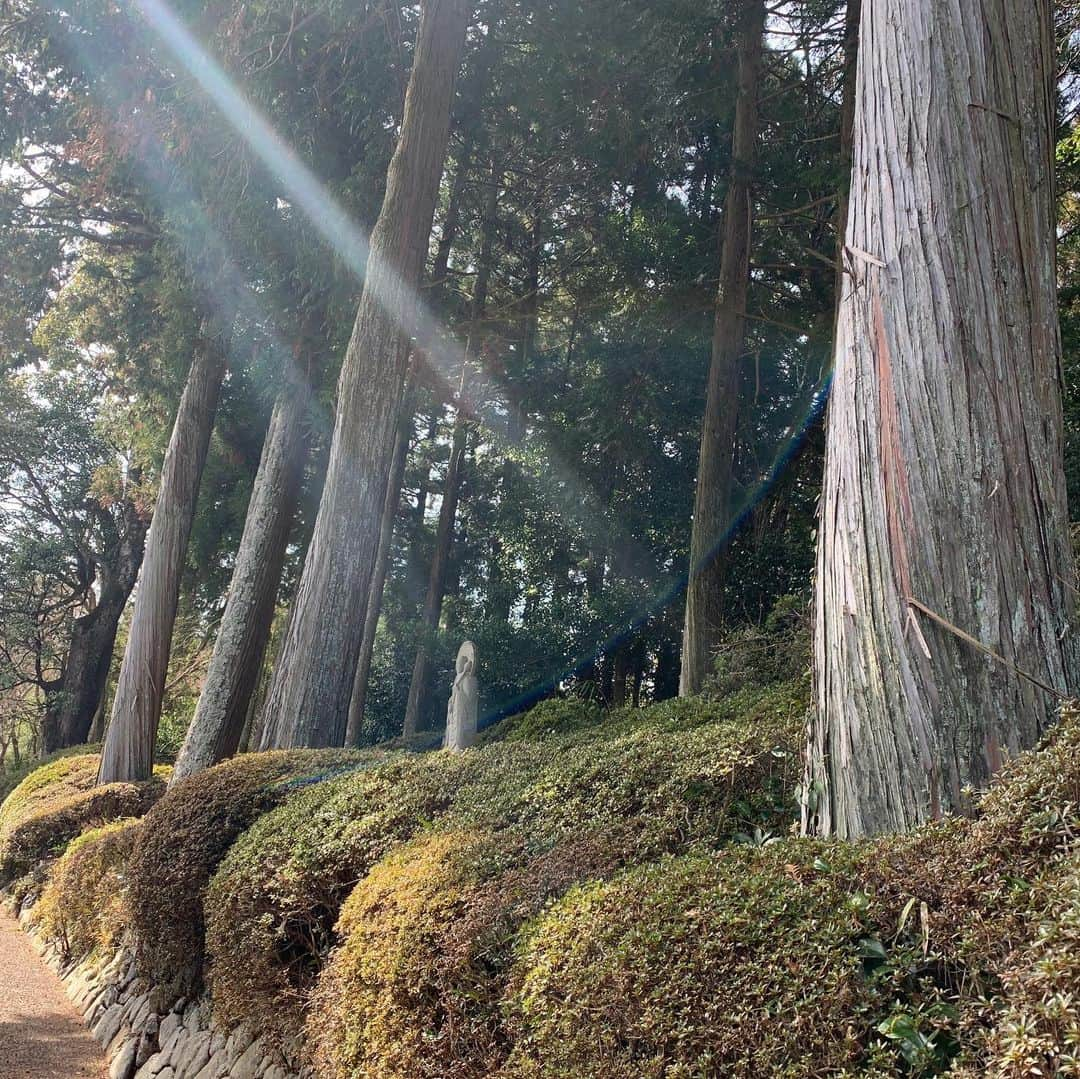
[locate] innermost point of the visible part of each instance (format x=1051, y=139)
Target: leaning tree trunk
x=391, y=504
x=943, y=599
x=218, y=724
x=128, y=753
x=309, y=696
x=712, y=511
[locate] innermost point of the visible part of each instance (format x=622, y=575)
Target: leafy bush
x=745, y=962
x=272, y=906
x=184, y=838
x=56, y=803
x=55, y=777
x=82, y=907
x=555, y=716
x=12, y=775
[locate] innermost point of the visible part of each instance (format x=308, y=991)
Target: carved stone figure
x=463, y=707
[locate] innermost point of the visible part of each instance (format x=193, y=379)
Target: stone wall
x=142, y=1043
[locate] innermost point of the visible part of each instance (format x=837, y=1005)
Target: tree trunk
x=309, y=696
x=852, y=15
x=218, y=724
x=391, y=504
x=419, y=686
x=128, y=752
x=943, y=518
x=76, y=698
x=712, y=512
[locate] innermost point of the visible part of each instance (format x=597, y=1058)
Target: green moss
x=271, y=907
x=185, y=837
x=739, y=963
x=82, y=909
x=12, y=776
x=554, y=717
x=378, y=1007
x=56, y=777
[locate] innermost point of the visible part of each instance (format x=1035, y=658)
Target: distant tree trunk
x=712, y=511
x=218, y=724
x=419, y=686
x=416, y=560
x=75, y=698
x=391, y=504
x=128, y=752
x=943, y=517
x=309, y=697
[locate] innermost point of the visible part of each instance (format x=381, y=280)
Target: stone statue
x=463, y=707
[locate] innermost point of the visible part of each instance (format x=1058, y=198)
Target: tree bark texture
x=943, y=521
x=128, y=752
x=242, y=637
x=74, y=700
x=309, y=697
x=712, y=500
x=391, y=504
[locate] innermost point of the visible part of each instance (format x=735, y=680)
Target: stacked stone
x=144, y=1043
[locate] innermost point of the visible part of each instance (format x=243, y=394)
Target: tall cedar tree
x=712, y=499
x=128, y=753
x=943, y=599
x=309, y=696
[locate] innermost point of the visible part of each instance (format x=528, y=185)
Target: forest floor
x=41, y=1033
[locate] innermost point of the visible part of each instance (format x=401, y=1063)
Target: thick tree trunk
x=242, y=637
x=712, y=512
x=391, y=504
x=419, y=686
x=943, y=519
x=76, y=698
x=309, y=696
x=128, y=753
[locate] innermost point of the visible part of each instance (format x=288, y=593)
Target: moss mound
x=657, y=787
x=184, y=838
x=57, y=802
x=271, y=907
x=73, y=769
x=388, y=974
x=740, y=963
x=82, y=909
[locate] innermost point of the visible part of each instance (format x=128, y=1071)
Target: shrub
x=12, y=775
x=377, y=1008
x=82, y=908
x=427, y=943
x=273, y=904
x=184, y=838
x=54, y=778
x=58, y=802
x=555, y=716
x=744, y=962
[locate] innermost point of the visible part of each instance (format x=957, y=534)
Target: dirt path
x=41, y=1034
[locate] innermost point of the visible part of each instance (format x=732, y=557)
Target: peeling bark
x=944, y=487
